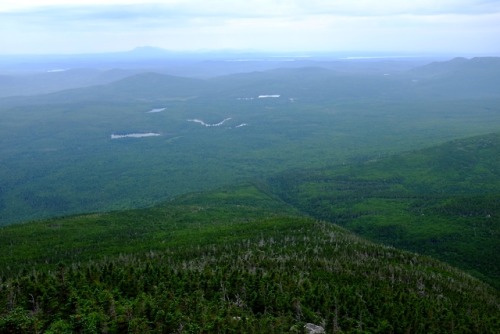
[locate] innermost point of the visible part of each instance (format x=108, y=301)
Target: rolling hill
x=61, y=155
x=460, y=77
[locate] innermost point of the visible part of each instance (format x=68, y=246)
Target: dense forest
x=442, y=201
x=231, y=261
x=70, y=151
x=359, y=198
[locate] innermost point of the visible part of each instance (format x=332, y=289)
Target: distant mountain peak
x=148, y=51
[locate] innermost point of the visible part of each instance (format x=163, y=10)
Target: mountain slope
x=479, y=66
x=234, y=260
x=476, y=77
x=143, y=87
x=442, y=201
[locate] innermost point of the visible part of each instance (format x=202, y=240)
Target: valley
x=360, y=198
x=336, y=118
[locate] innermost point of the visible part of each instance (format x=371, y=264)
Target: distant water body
x=135, y=135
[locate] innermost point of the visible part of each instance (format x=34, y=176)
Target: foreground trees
x=291, y=271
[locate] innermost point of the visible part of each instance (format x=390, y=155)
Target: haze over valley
x=263, y=167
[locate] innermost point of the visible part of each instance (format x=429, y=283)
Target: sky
x=458, y=27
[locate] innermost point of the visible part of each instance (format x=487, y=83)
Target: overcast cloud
x=417, y=26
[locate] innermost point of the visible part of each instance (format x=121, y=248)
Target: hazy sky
x=409, y=26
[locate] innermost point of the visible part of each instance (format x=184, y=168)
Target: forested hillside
x=442, y=201
x=146, y=138
x=362, y=201
x=234, y=260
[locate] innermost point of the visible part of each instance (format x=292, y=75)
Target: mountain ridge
x=475, y=77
